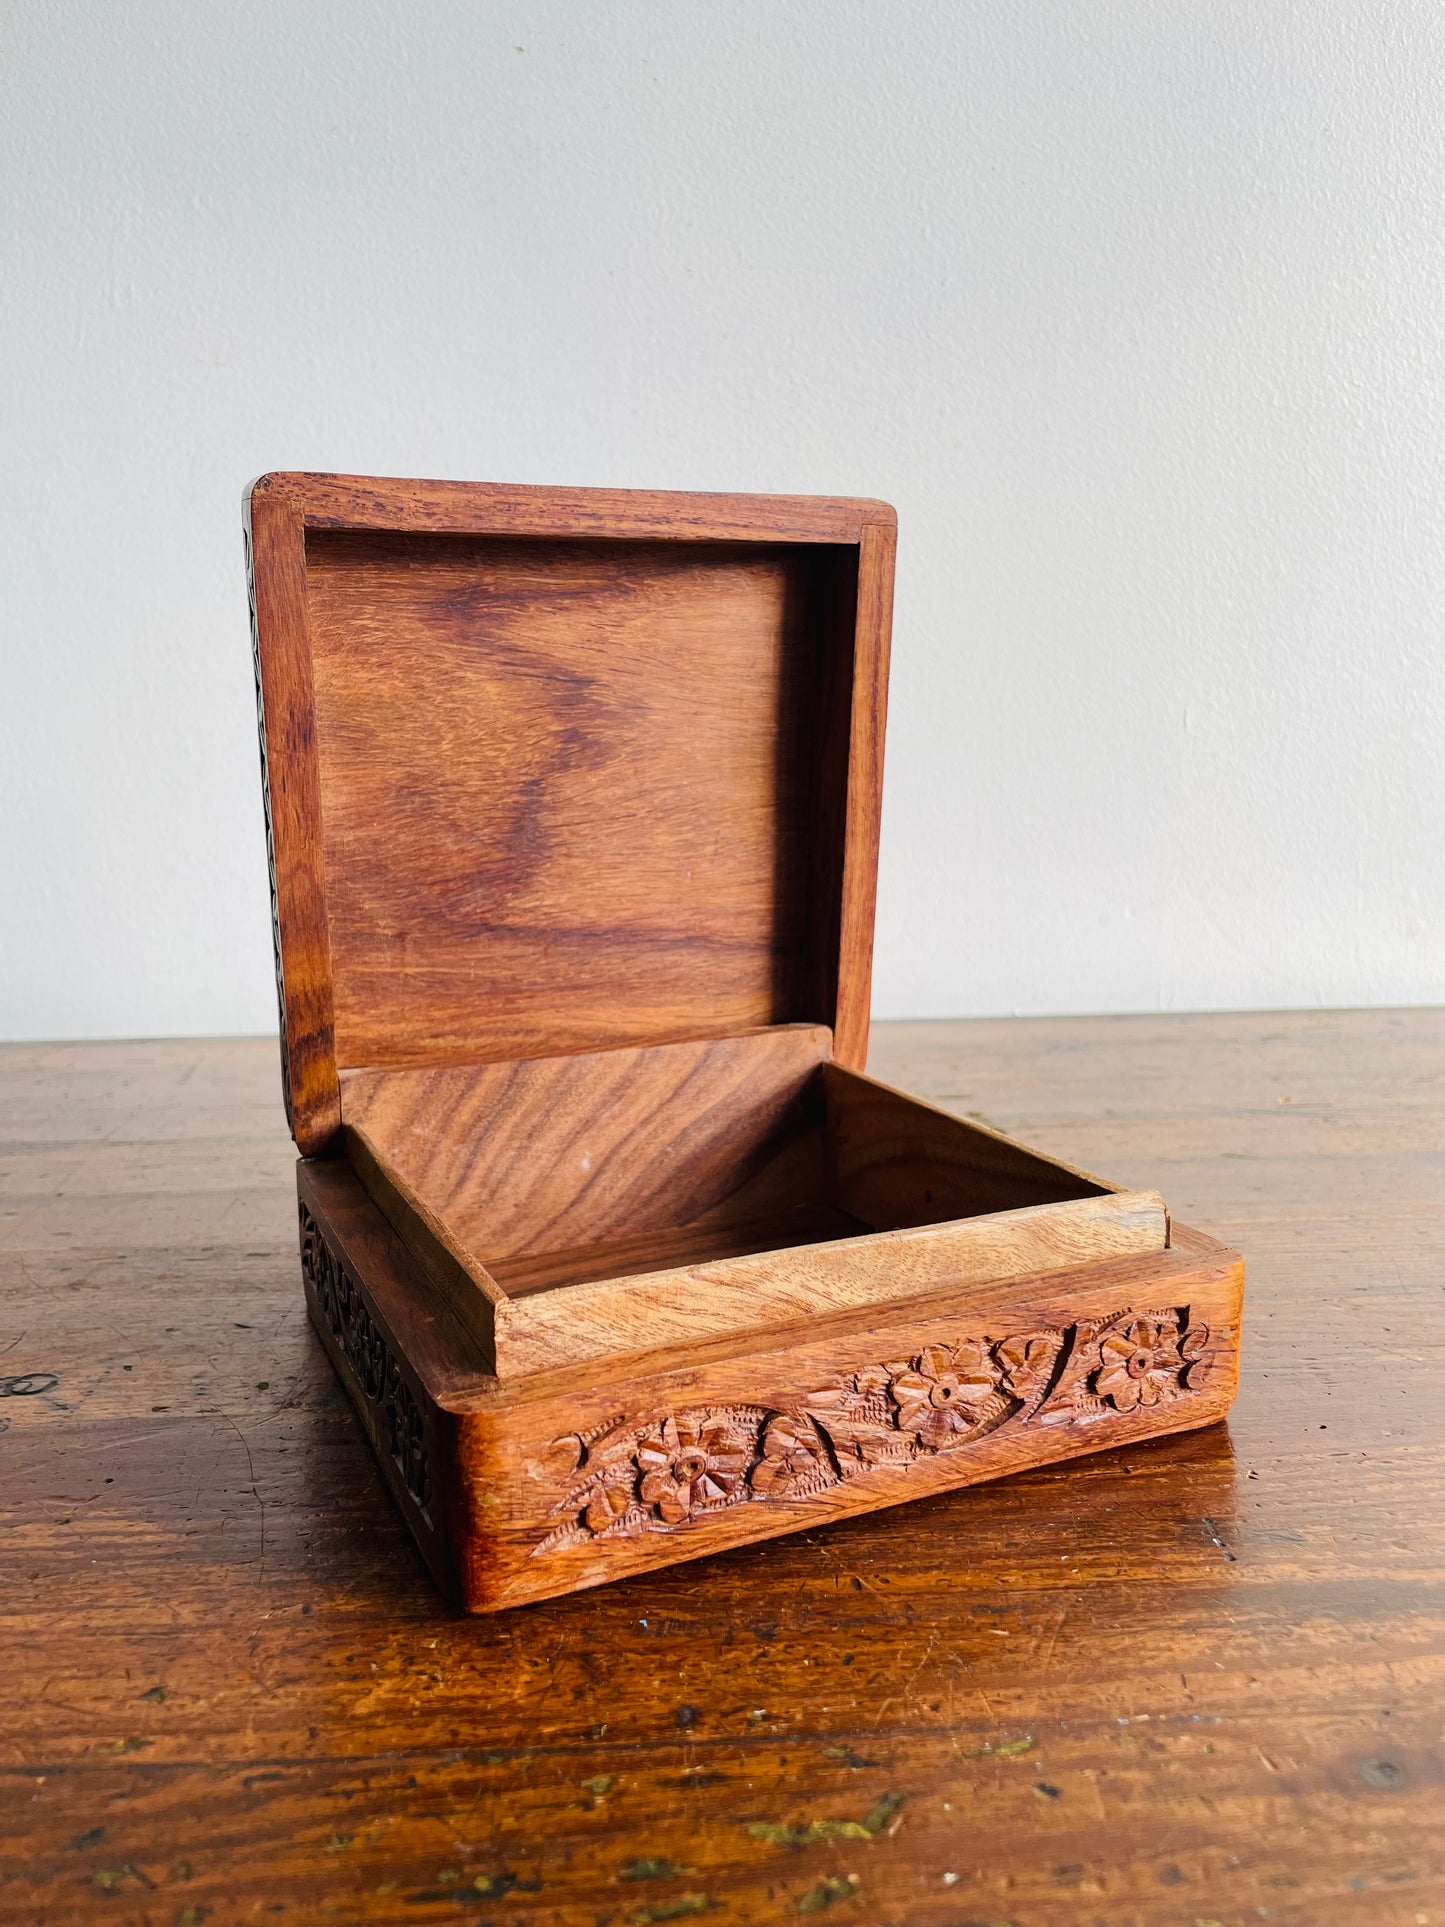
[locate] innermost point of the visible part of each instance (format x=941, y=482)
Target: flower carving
x=1139, y=1363
x=1026, y=1362
x=690, y=1464
x=943, y=1393
x=794, y=1461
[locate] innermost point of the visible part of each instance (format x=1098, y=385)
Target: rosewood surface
x=1197, y=1681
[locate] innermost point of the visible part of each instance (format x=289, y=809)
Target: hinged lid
x=551, y=770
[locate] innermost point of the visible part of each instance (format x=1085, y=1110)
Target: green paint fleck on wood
x=645, y=1869
x=493, y=1886
x=883, y=1811
x=779, y=1833
x=835, y=1887
x=672, y=1909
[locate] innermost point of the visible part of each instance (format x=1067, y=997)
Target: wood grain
x=573, y=769
x=1190, y=1681
x=565, y=791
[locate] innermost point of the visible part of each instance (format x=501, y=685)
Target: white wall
x=1137, y=312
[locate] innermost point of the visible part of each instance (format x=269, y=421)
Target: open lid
x=554, y=770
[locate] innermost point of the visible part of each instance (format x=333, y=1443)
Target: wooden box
x=572, y=801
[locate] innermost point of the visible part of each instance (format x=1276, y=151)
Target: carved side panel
x=399, y=1425
x=623, y=1479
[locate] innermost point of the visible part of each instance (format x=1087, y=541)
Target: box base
x=568, y=1480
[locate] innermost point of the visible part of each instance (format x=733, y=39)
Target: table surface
x=1194, y=1682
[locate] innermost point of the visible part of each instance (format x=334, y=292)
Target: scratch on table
x=255, y=1489
x=1048, y=1653
x=906, y=1696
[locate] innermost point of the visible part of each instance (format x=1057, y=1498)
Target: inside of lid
x=576, y=794
x=614, y=1201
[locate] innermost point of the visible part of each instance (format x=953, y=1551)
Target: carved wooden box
x=572, y=799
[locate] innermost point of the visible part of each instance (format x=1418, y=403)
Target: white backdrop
x=1137, y=313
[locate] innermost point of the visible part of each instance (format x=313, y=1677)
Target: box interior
x=563, y=1170
x=647, y=1177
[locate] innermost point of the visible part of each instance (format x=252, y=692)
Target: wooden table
x=1197, y=1682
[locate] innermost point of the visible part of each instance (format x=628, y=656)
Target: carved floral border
x=624, y=1479
x=398, y=1416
